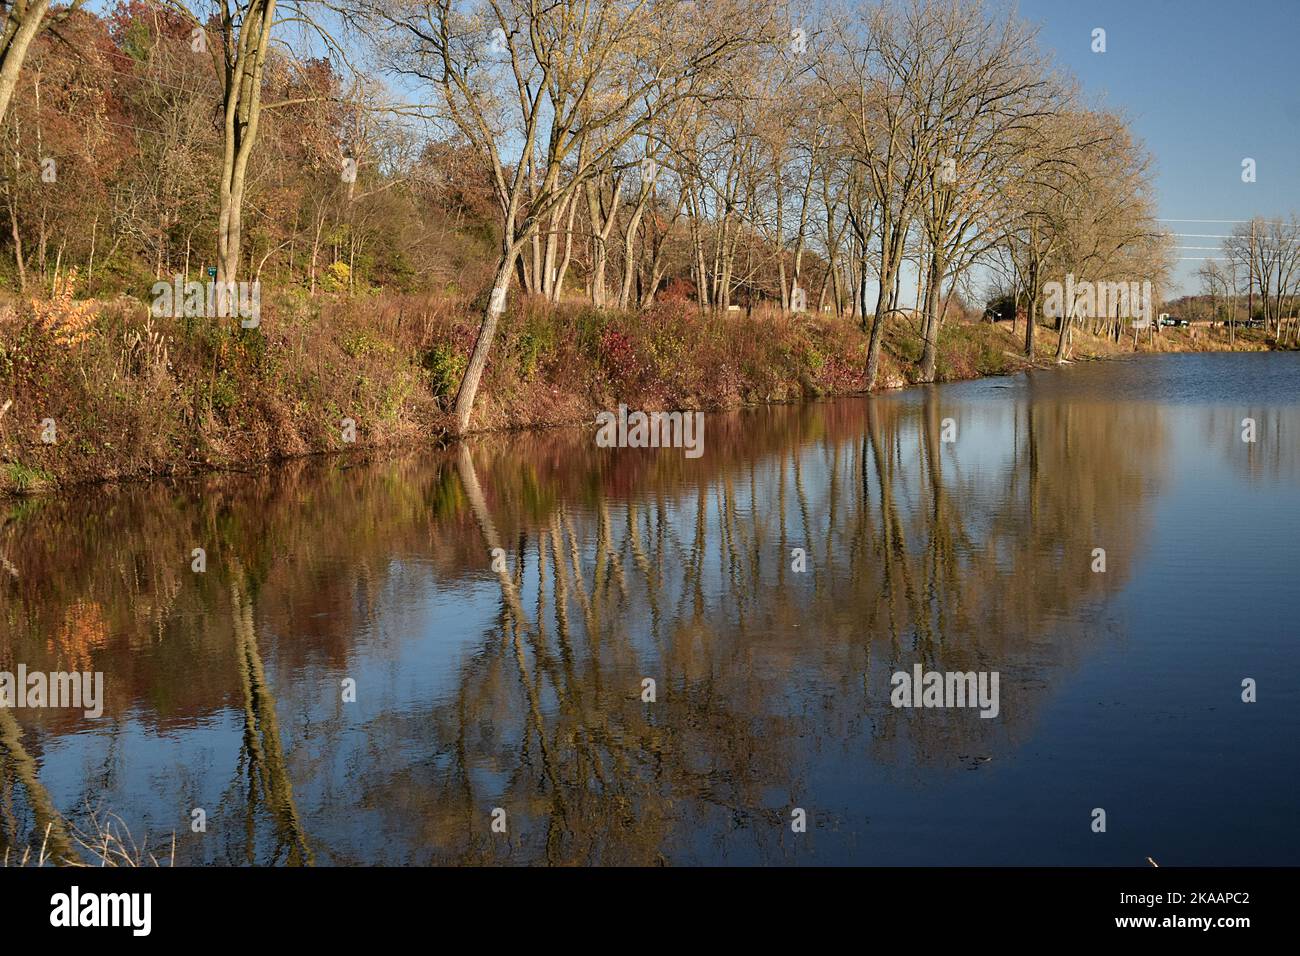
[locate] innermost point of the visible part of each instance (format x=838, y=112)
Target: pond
x=676, y=660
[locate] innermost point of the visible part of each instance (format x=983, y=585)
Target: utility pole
x=1250, y=281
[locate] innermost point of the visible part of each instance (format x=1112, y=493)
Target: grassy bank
x=127, y=395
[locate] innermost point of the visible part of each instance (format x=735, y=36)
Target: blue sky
x=1204, y=85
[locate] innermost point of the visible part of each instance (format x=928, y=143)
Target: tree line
x=1260, y=263
x=729, y=152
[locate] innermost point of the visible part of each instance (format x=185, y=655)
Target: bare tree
x=869, y=71
x=979, y=86
x=539, y=80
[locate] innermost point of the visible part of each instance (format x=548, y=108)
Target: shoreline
x=500, y=412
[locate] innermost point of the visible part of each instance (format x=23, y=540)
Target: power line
x=1222, y=221
x=1259, y=240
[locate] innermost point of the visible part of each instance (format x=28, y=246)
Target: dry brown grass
x=102, y=839
x=136, y=396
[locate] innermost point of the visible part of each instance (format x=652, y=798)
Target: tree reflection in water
x=521, y=688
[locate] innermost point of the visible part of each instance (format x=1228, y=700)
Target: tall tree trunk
x=1031, y=311
x=934, y=318
x=877, y=326
x=483, y=344
x=891, y=250
x=1063, y=338
x=602, y=226
x=18, y=246
x=243, y=110
x=25, y=20
x=563, y=269
x=630, y=260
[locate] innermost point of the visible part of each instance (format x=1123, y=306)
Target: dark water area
x=523, y=690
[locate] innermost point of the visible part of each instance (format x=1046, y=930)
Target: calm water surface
x=523, y=690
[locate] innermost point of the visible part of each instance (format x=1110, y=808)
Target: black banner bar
x=334, y=906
